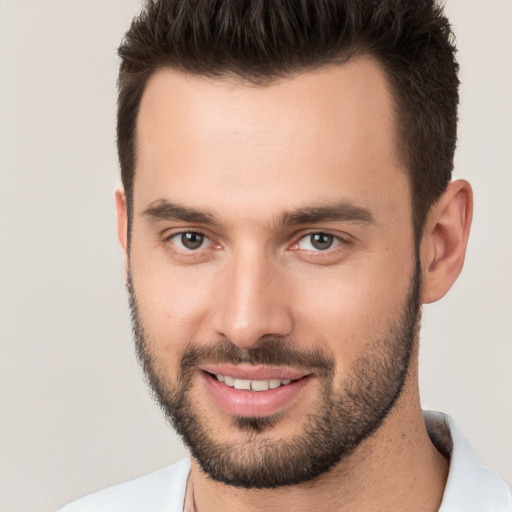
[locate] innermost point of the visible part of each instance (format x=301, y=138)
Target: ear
x=122, y=224
x=444, y=241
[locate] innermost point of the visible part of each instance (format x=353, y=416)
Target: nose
x=252, y=304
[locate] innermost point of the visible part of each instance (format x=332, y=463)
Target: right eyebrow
x=162, y=209
x=343, y=211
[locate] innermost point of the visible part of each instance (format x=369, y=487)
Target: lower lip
x=240, y=402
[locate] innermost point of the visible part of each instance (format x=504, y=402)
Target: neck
x=398, y=468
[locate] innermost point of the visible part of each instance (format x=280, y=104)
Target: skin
x=248, y=155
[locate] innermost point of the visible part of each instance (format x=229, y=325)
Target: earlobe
x=122, y=223
x=444, y=241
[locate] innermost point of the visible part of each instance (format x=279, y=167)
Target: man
x=287, y=208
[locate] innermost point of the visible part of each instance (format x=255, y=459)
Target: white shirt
x=470, y=487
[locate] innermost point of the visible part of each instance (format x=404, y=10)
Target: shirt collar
x=470, y=487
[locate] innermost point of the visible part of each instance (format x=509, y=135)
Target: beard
x=344, y=415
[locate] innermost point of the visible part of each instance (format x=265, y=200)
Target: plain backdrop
x=75, y=415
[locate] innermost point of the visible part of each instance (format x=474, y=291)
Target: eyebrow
x=162, y=210
x=343, y=211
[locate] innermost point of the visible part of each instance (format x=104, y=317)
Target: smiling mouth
x=254, y=392
x=252, y=385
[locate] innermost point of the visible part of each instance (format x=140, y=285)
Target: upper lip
x=250, y=372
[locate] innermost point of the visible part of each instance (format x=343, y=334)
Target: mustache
x=271, y=352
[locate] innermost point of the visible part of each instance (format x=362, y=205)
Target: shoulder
x=471, y=486
x=159, y=491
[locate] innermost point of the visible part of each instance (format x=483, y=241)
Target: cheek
x=346, y=311
x=172, y=302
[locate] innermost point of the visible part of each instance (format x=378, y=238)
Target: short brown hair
x=261, y=40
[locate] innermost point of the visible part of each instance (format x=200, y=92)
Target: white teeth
x=259, y=385
x=274, y=383
x=242, y=384
x=254, y=385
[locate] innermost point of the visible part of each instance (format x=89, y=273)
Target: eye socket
x=318, y=242
x=189, y=240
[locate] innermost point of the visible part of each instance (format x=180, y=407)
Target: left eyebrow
x=164, y=210
x=343, y=211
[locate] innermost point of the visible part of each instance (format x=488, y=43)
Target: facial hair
x=340, y=421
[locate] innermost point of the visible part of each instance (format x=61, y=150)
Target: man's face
x=273, y=277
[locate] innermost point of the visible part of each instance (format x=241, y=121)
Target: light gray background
x=74, y=413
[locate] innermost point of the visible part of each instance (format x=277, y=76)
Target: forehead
x=323, y=135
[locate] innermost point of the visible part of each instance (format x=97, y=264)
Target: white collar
x=471, y=487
